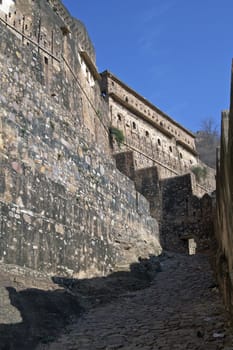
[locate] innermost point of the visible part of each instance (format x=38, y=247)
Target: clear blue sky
x=175, y=53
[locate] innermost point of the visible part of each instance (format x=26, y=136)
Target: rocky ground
x=166, y=303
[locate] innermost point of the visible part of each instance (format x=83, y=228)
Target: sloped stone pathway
x=181, y=309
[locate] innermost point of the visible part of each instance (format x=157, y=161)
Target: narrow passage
x=181, y=309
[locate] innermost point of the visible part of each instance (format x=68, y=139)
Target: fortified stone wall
x=185, y=217
x=155, y=138
x=64, y=208
x=187, y=221
x=224, y=199
x=42, y=28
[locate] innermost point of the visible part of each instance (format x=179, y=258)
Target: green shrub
x=199, y=172
x=99, y=114
x=117, y=135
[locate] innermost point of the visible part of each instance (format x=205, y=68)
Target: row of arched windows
x=161, y=123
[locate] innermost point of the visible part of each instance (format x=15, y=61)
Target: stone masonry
x=95, y=182
x=153, y=137
x=224, y=202
x=64, y=205
x=180, y=310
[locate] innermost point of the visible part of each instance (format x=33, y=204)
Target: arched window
x=134, y=125
x=159, y=142
x=147, y=133
x=170, y=148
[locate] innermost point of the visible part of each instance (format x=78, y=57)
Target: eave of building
x=153, y=123
x=140, y=114
x=91, y=66
x=190, y=149
x=145, y=101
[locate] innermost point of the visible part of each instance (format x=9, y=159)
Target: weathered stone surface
x=185, y=217
x=64, y=208
x=224, y=202
x=151, y=136
x=179, y=310
x=185, y=220
x=8, y=313
x=32, y=309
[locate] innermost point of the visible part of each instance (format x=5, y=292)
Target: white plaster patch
x=6, y=4
x=59, y=229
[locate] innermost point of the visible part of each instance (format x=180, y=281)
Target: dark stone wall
x=147, y=183
x=125, y=164
x=224, y=204
x=185, y=217
x=64, y=207
x=185, y=220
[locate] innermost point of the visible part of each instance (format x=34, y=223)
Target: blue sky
x=175, y=53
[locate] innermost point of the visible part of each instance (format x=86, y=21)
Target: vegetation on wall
x=199, y=172
x=117, y=135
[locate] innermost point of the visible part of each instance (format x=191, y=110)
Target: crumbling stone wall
x=224, y=203
x=64, y=207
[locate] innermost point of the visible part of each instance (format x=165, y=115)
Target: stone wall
x=132, y=100
x=64, y=207
x=186, y=218
x=182, y=208
x=153, y=137
x=224, y=199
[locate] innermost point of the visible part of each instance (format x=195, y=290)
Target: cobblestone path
x=180, y=310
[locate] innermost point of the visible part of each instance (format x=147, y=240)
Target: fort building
x=64, y=205
x=153, y=137
x=158, y=138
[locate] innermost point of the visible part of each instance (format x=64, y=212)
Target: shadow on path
x=45, y=314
